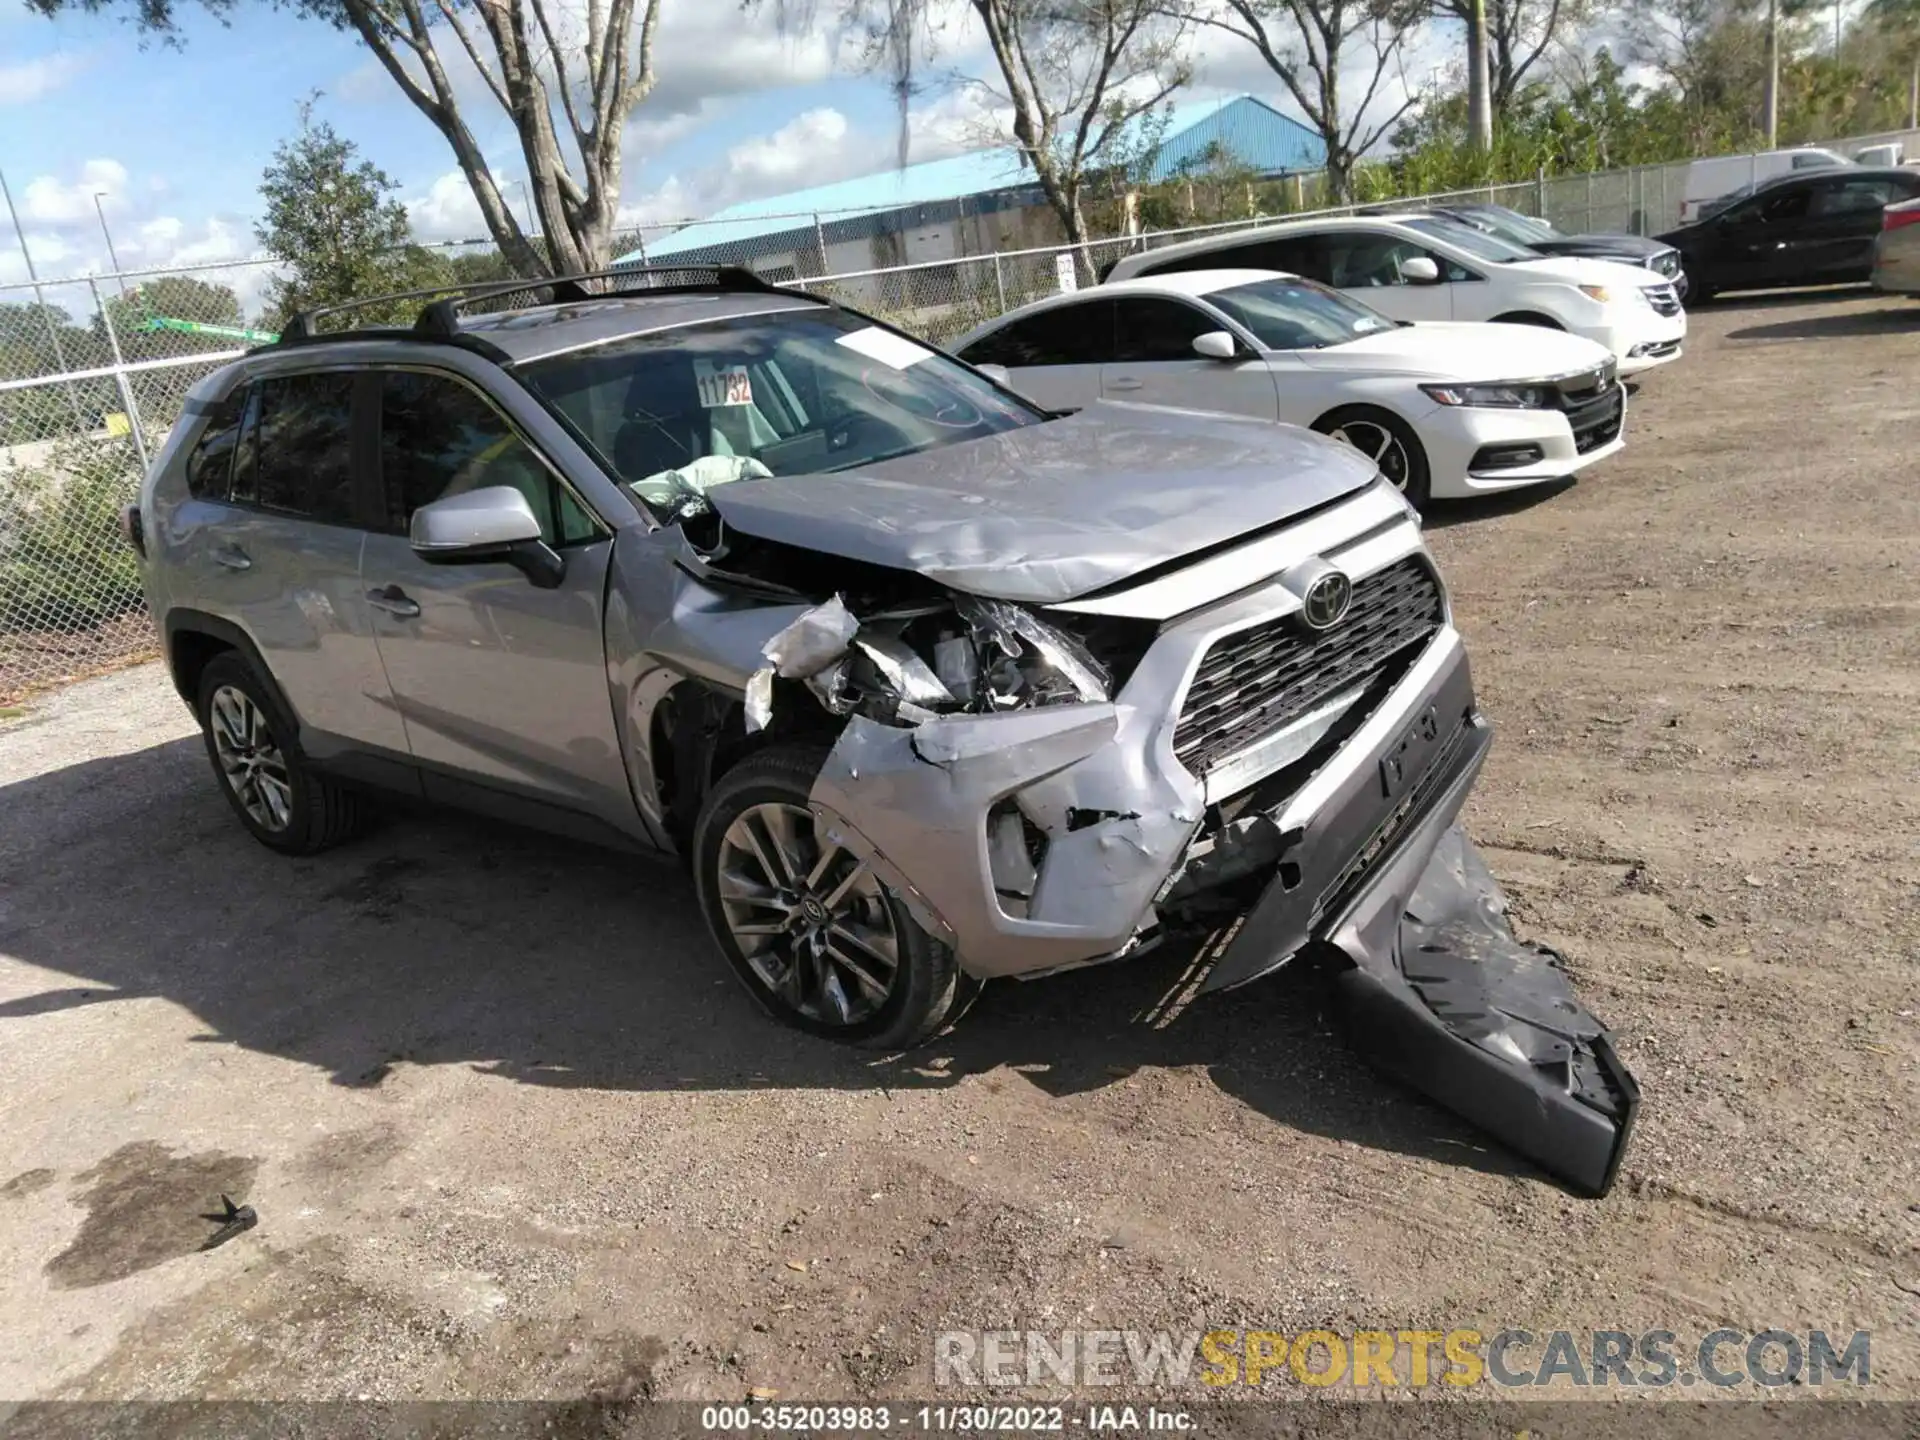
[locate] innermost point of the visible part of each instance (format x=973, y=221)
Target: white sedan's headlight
x=1501, y=397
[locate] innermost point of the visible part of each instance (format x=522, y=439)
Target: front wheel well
x=699, y=733
x=1528, y=317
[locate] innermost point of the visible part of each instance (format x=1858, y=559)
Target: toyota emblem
x=1325, y=603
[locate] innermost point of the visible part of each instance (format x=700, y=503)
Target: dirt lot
x=510, y=1132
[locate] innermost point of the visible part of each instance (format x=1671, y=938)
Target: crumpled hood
x=1471, y=353
x=1055, y=511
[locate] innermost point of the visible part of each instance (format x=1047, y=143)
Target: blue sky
x=177, y=138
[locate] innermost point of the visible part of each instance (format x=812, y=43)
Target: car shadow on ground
x=1894, y=320
x=437, y=940
x=1444, y=514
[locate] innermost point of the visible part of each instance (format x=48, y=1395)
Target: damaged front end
x=1055, y=787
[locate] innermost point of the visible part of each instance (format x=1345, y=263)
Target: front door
x=1154, y=362
x=502, y=685
x=1368, y=266
x=1843, y=220
x=1763, y=241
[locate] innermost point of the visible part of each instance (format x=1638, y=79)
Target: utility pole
x=40, y=299
x=107, y=234
x=1479, y=80
x=1770, y=103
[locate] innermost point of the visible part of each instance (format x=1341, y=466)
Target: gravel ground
x=510, y=1132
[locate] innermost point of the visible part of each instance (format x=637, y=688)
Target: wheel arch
x=697, y=732
x=194, y=638
x=1537, y=318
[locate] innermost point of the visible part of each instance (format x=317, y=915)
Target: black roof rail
x=442, y=317
x=439, y=318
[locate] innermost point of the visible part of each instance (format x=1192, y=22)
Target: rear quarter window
x=210, y=462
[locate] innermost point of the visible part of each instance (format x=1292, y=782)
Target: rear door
x=282, y=471
x=503, y=686
x=1153, y=361
x=1053, y=355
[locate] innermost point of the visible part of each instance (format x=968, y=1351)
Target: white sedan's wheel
x=1388, y=441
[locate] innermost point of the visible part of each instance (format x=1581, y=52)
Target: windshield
x=673, y=412
x=1482, y=247
x=1510, y=225
x=1298, y=314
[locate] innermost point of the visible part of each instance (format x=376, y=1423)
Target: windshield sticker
x=886, y=347
x=722, y=385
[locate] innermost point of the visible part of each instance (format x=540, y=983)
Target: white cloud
x=27, y=81
x=49, y=200
x=448, y=210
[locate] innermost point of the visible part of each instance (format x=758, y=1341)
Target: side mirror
x=1419, y=270
x=1216, y=345
x=494, y=524
x=996, y=373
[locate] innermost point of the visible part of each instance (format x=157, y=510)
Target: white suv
x=1428, y=267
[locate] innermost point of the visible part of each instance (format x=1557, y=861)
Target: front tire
x=818, y=939
x=1389, y=442
x=250, y=740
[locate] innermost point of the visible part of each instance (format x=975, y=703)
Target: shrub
x=63, y=563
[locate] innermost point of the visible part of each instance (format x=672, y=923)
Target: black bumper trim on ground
x=1443, y=997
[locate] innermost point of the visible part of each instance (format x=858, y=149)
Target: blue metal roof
x=1248, y=130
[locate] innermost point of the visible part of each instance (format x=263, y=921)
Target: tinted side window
x=1295, y=254
x=1069, y=335
x=301, y=438
x=1158, y=330
x=439, y=438
x=1362, y=260
x=1852, y=197
x=1782, y=205
x=210, y=463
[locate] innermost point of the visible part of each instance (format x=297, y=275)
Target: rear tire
x=251, y=742
x=1389, y=442
x=819, y=940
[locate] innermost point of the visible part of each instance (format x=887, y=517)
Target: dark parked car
x=1541, y=235
x=1806, y=229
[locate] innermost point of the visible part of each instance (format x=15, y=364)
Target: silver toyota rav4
x=926, y=686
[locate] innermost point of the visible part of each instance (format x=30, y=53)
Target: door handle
x=232, y=557
x=394, y=601
x=1124, y=382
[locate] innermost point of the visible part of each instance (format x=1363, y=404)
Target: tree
x=1513, y=37
x=1307, y=44
x=1899, y=22
x=173, y=297
x=331, y=221
x=547, y=64
x=1081, y=82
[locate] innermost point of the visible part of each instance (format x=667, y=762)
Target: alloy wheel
x=811, y=920
x=250, y=759
x=1381, y=446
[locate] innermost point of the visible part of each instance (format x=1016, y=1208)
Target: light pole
x=107, y=234
x=40, y=299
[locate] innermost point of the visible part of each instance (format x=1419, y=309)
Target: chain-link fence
x=93, y=371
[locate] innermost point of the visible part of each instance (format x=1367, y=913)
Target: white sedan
x=1429, y=267
x=1445, y=410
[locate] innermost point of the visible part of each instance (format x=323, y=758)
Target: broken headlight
x=963, y=655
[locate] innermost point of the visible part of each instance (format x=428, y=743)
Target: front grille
x=1663, y=299
x=1257, y=680
x=1597, y=423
